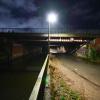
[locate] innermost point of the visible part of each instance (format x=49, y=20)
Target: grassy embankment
x=59, y=89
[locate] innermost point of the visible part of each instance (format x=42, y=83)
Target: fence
x=38, y=90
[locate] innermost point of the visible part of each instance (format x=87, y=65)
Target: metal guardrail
x=36, y=90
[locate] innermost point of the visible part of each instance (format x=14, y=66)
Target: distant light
x=71, y=39
x=52, y=17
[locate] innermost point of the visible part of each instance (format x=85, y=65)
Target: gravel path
x=88, y=90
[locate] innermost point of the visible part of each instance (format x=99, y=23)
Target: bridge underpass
x=16, y=45
x=31, y=41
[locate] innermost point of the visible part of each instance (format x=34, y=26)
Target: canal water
x=17, y=82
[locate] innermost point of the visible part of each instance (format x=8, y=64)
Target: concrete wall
x=17, y=50
x=96, y=44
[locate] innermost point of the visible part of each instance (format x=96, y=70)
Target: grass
x=60, y=90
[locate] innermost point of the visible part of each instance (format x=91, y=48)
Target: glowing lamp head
x=52, y=17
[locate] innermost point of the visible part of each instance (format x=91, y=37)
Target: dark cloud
x=31, y=13
x=17, y=12
x=23, y=13
x=84, y=14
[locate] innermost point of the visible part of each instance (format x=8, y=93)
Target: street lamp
x=51, y=18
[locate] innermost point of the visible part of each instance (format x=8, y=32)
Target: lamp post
x=51, y=18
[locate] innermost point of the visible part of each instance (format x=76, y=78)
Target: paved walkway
x=85, y=69
x=83, y=79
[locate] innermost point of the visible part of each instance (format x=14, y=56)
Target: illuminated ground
x=84, y=83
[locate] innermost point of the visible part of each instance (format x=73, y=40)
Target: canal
x=17, y=81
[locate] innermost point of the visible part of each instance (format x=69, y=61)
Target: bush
x=93, y=54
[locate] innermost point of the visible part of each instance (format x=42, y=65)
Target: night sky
x=75, y=14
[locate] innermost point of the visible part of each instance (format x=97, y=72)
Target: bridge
x=38, y=37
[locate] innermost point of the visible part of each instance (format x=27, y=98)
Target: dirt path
x=77, y=83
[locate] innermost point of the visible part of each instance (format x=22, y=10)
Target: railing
x=52, y=30
x=38, y=90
